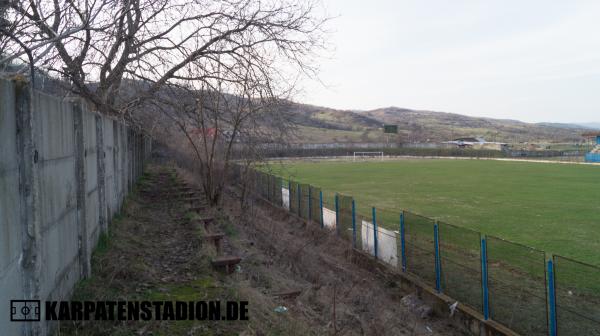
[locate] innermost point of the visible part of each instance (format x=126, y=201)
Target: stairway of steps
x=183, y=192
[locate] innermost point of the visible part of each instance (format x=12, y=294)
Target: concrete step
x=216, y=239
x=227, y=262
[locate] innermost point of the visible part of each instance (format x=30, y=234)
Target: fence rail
x=592, y=157
x=515, y=285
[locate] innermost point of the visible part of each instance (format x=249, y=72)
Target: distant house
x=594, y=154
x=593, y=137
x=470, y=140
x=477, y=143
x=200, y=132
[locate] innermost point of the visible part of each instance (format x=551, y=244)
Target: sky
x=527, y=60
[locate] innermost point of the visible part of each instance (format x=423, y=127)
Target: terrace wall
x=64, y=172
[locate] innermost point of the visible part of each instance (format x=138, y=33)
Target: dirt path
x=154, y=252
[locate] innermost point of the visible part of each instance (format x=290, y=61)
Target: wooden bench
x=215, y=238
x=228, y=262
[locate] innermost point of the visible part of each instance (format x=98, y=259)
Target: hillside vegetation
x=321, y=124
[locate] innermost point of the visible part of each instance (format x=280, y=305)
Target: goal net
x=367, y=155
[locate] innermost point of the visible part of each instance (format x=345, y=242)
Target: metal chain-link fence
x=276, y=193
x=577, y=297
x=512, y=284
x=420, y=248
x=460, y=256
x=517, y=286
x=388, y=226
x=315, y=204
x=345, y=226
x=294, y=204
x=304, y=207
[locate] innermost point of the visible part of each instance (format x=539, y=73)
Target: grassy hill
x=316, y=124
x=321, y=124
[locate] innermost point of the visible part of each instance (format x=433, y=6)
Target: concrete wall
x=64, y=172
x=10, y=204
x=329, y=218
x=387, y=243
x=58, y=239
x=285, y=197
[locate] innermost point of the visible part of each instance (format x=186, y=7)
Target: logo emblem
x=24, y=310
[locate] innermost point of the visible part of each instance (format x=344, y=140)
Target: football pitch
x=553, y=207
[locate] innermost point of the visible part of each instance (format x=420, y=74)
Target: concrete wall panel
x=116, y=165
x=10, y=231
x=329, y=218
x=285, y=197
x=387, y=244
x=10, y=203
x=92, y=214
x=109, y=172
x=69, y=188
x=55, y=139
x=60, y=250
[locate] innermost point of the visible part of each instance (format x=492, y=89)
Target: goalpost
x=367, y=155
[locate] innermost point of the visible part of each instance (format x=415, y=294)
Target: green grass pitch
x=553, y=207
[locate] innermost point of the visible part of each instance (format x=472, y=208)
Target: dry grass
x=149, y=255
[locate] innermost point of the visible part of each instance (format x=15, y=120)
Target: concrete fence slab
x=63, y=174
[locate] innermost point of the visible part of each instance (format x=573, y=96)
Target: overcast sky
x=518, y=59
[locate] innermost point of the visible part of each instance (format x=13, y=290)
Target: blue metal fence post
x=321, y=207
x=309, y=203
x=438, y=268
x=270, y=188
x=552, y=298
x=484, y=280
x=402, y=241
x=337, y=214
x=375, y=242
x=353, y=224
x=299, y=199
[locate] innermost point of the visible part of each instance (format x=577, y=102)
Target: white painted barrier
x=387, y=246
x=329, y=218
x=387, y=250
x=366, y=234
x=386, y=239
x=285, y=197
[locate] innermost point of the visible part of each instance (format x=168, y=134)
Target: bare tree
x=226, y=119
x=219, y=70
x=119, y=54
